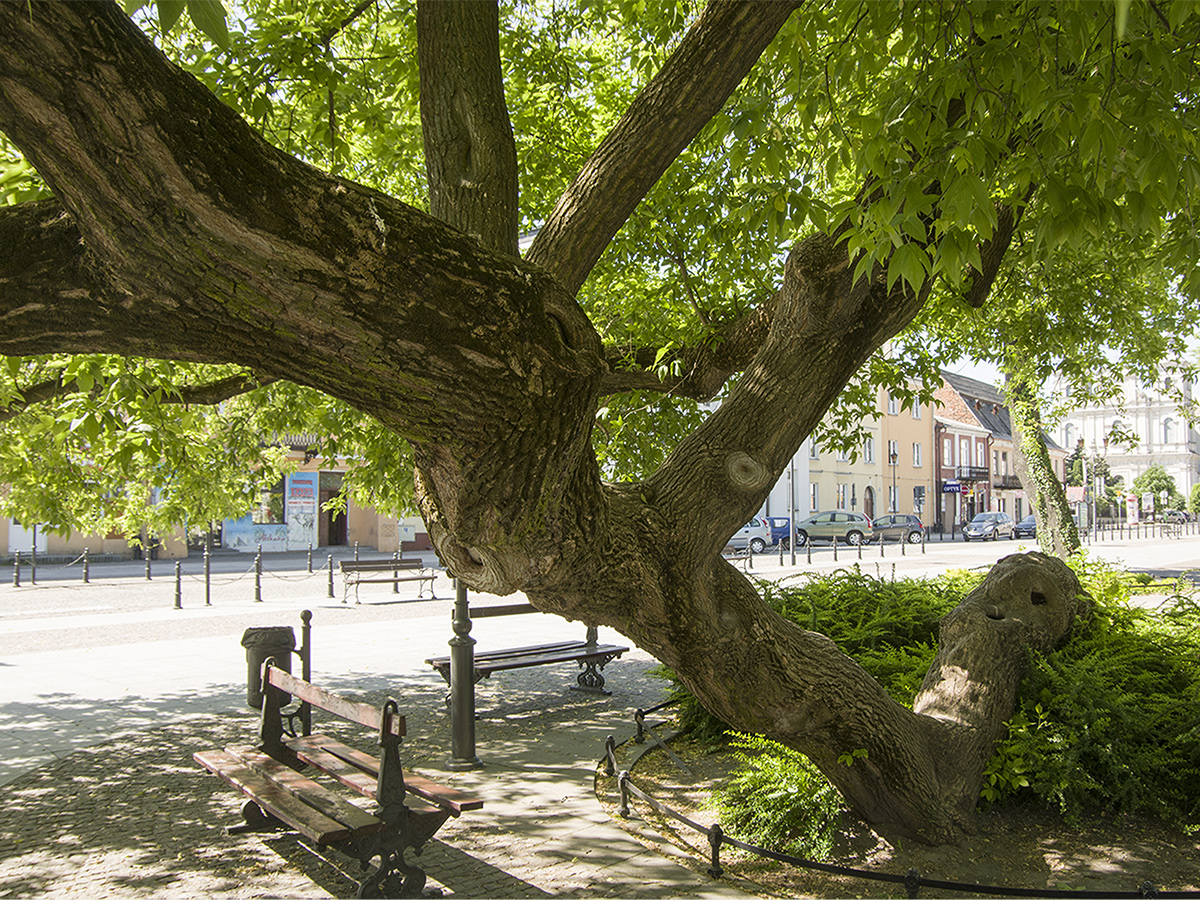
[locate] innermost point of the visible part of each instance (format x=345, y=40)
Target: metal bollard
x=922, y=541
x=207, y=576
x=904, y=545
x=258, y=575
x=33, y=559
x=808, y=547
x=356, y=551
x=85, y=566
x=835, y=549
x=178, y=585
x=331, y=575
x=309, y=560
x=881, y=543
x=17, y=568
x=462, y=685
x=306, y=665
x=395, y=582
x=860, y=543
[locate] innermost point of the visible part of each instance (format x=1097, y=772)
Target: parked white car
x=755, y=534
x=988, y=526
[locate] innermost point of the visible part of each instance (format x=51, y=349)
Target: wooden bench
x=408, y=810
x=386, y=571
x=591, y=656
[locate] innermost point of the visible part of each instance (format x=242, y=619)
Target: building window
x=1004, y=463
x=948, y=452
x=893, y=452
x=981, y=454
x=1168, y=431
x=812, y=449
x=869, y=450
x=995, y=462
x=841, y=496
x=843, y=455
x=916, y=411
x=892, y=507
x=916, y=454
x=919, y=498
x=813, y=497
x=893, y=406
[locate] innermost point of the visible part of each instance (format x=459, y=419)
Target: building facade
x=1141, y=427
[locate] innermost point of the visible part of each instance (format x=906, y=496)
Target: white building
x=1152, y=414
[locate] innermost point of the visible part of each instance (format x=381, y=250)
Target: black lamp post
x=894, y=457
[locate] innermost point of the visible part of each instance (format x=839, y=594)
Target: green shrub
x=778, y=800
x=1109, y=722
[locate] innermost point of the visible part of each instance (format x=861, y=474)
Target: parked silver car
x=836, y=525
x=755, y=534
x=988, y=526
x=899, y=527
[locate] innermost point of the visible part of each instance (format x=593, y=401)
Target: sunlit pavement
x=95, y=675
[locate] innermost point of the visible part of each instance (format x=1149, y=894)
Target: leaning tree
x=905, y=143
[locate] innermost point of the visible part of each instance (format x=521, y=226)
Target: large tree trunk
x=177, y=232
x=1056, y=530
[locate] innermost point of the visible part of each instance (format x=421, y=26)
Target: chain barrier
x=912, y=880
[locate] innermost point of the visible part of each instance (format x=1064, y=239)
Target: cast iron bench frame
x=591, y=655
x=356, y=572
x=280, y=796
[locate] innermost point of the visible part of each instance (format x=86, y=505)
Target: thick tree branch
x=470, y=154
x=713, y=58
x=704, y=369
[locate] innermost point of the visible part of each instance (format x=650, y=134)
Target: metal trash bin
x=278, y=641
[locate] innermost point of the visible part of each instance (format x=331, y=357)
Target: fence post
x=623, y=785
x=306, y=665
x=331, y=575
x=16, y=568
x=85, y=566
x=207, y=576
x=462, y=685
x=715, y=834
x=258, y=575
x=178, y=585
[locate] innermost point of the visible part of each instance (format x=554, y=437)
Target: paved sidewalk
x=105, y=692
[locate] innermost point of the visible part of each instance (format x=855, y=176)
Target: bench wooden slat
x=501, y=663
x=379, y=565
x=523, y=657
x=317, y=750
x=322, y=747
x=310, y=792
x=352, y=711
x=273, y=798
x=507, y=609
x=399, y=579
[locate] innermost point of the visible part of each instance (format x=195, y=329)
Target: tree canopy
x=527, y=239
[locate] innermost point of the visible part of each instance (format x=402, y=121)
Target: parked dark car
x=1027, y=527
x=988, y=526
x=853, y=528
x=781, y=529
x=899, y=527
x=1176, y=516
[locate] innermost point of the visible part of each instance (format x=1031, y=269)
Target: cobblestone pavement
x=105, y=694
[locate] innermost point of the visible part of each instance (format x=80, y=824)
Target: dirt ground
x=1014, y=848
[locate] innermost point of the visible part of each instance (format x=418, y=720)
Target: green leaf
x=209, y=17
x=169, y=12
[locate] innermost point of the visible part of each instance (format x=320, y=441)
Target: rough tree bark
x=177, y=232
x=1056, y=529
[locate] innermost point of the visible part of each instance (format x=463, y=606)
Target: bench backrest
x=379, y=565
x=351, y=710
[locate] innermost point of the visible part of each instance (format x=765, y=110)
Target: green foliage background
x=1107, y=723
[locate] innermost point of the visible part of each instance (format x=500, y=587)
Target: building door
x=869, y=502
x=332, y=530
